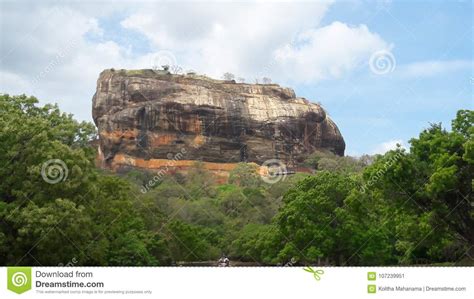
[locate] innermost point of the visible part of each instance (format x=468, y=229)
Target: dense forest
x=408, y=206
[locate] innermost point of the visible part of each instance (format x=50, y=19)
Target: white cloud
x=215, y=38
x=434, y=67
x=47, y=51
x=280, y=40
x=388, y=145
x=328, y=52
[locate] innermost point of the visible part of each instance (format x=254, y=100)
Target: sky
x=384, y=70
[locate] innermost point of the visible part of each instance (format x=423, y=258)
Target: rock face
x=148, y=115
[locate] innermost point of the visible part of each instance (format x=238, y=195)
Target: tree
x=30, y=136
x=307, y=218
x=228, y=76
x=57, y=224
x=431, y=188
x=86, y=214
x=266, y=80
x=256, y=243
x=403, y=207
x=200, y=183
x=326, y=160
x=326, y=219
x=176, y=69
x=190, y=243
x=245, y=175
x=233, y=202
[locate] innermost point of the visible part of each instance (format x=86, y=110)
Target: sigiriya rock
x=145, y=117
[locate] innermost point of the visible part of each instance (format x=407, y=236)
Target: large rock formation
x=145, y=117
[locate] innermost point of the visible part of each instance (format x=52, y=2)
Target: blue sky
x=323, y=50
x=395, y=106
